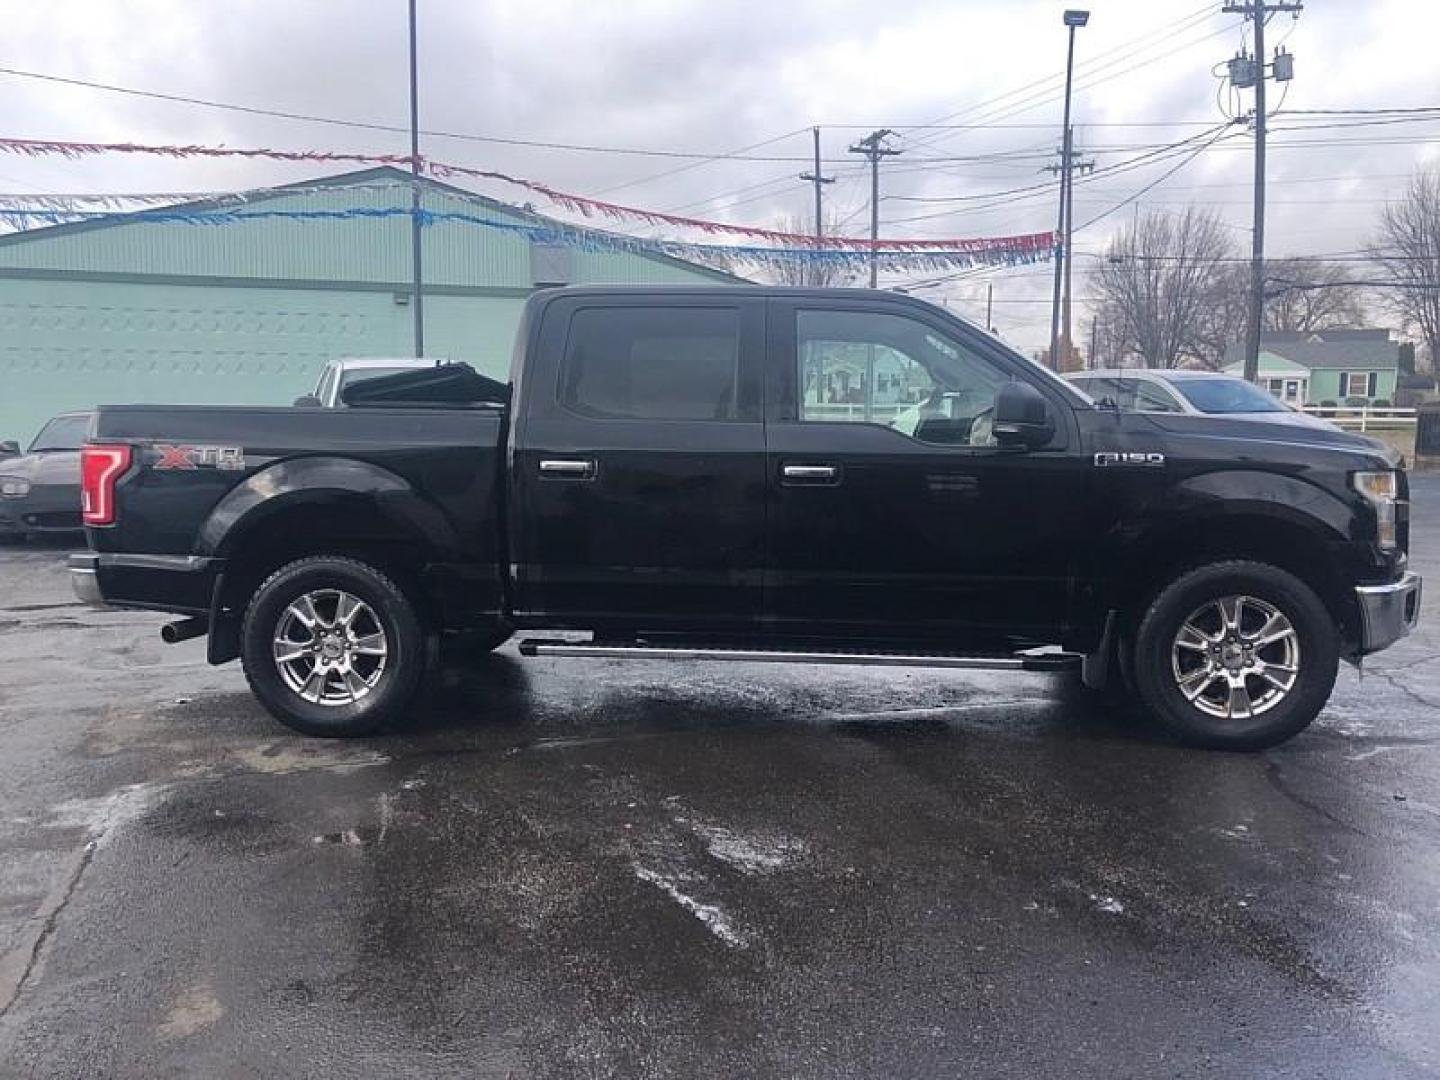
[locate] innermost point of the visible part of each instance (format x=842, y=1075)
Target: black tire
x=1157, y=660
x=405, y=641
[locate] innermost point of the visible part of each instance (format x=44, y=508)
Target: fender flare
x=1234, y=493
x=1200, y=504
x=317, y=481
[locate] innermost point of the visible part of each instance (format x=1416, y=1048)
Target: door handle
x=810, y=474
x=567, y=469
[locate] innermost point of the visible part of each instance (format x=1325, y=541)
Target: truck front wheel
x=332, y=647
x=1236, y=655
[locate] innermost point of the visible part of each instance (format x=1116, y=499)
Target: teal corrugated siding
x=70, y=345
x=373, y=250
x=67, y=343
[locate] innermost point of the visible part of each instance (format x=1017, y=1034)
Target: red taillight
x=100, y=467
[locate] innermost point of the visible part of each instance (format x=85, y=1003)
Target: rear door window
x=639, y=363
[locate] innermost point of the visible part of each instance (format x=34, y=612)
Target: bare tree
x=1112, y=349
x=1305, y=297
x=815, y=272
x=1408, y=252
x=1157, y=283
x=1224, y=318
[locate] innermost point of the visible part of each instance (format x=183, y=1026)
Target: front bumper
x=1388, y=612
x=39, y=512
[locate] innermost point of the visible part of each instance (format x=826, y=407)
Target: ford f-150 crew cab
x=755, y=473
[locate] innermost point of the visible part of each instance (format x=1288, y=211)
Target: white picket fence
x=1363, y=417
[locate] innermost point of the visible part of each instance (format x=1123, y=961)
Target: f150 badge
x=229, y=458
x=1107, y=458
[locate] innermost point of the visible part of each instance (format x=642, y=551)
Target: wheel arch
x=318, y=506
x=1278, y=535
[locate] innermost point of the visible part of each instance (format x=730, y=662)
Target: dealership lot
x=626, y=868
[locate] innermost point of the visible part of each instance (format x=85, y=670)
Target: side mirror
x=9, y=448
x=308, y=401
x=1022, y=417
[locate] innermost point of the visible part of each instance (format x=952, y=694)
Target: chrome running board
x=1029, y=660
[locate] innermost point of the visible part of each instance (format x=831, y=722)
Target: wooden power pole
x=873, y=147
x=817, y=178
x=1245, y=72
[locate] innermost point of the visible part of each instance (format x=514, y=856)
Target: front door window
x=877, y=368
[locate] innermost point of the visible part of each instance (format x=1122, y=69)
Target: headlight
x=13, y=487
x=1380, y=489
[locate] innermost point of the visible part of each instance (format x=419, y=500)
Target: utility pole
x=989, y=305
x=1070, y=166
x=1074, y=19
x=1245, y=72
x=872, y=146
x=819, y=180
x=1091, y=362
x=417, y=300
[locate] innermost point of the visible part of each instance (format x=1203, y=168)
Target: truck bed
x=205, y=482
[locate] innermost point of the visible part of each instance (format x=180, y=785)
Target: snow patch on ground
x=750, y=854
x=714, y=918
x=106, y=813
x=1108, y=904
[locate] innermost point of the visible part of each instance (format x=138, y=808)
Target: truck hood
x=1287, y=427
x=48, y=467
x=1285, y=419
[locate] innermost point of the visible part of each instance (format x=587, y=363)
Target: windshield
x=1224, y=394
x=62, y=433
x=354, y=375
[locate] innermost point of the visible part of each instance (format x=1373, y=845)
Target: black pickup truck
x=749, y=473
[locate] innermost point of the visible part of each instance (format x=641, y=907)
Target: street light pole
x=1073, y=19
x=417, y=298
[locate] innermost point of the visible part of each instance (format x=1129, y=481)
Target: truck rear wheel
x=1237, y=655
x=332, y=647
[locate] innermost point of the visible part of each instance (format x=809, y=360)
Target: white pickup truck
x=348, y=370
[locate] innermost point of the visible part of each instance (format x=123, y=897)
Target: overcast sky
x=717, y=76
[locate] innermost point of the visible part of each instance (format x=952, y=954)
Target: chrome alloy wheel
x=1236, y=657
x=330, y=648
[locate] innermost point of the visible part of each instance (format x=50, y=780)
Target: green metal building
x=131, y=308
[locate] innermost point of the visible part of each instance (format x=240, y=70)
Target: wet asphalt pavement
x=596, y=868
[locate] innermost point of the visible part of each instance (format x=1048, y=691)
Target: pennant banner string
x=581, y=204
x=765, y=257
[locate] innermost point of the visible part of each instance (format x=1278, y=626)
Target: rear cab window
x=654, y=363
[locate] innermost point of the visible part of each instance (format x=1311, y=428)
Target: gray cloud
x=717, y=75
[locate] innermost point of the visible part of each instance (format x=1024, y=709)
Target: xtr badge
x=229, y=458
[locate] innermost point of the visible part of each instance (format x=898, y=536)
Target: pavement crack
x=1389, y=678
x=1278, y=782
x=43, y=607
x=19, y=964
x=1395, y=668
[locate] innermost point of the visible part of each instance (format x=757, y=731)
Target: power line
x=1126, y=47
x=701, y=157
x=1086, y=82
x=1119, y=168
x=1357, y=112
x=1156, y=182
x=729, y=156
